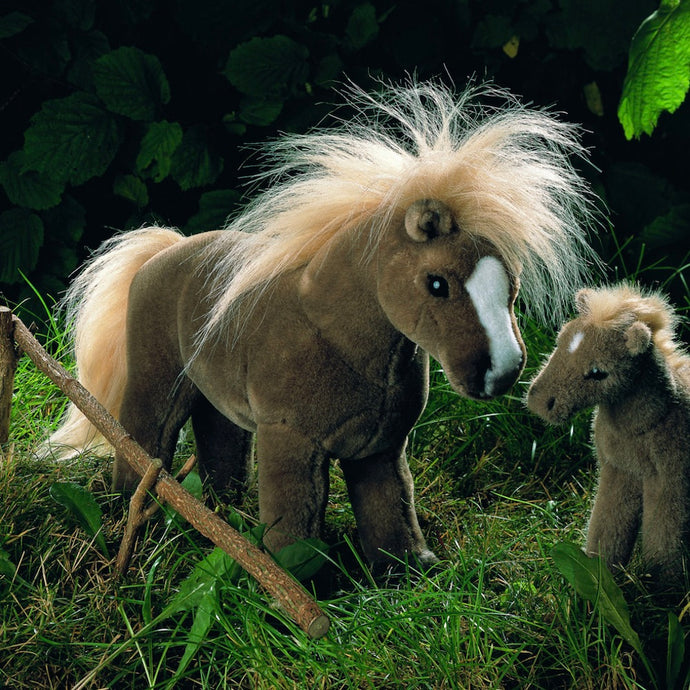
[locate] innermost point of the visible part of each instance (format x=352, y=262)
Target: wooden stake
x=290, y=595
x=8, y=366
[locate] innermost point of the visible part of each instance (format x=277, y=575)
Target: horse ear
x=428, y=218
x=638, y=338
x=582, y=300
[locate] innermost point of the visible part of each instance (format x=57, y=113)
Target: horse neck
x=649, y=399
x=338, y=295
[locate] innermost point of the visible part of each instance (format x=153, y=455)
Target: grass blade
x=675, y=650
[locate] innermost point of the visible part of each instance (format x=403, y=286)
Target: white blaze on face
x=576, y=342
x=489, y=290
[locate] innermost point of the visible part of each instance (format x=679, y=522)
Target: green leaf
x=45, y=48
x=7, y=568
x=65, y=222
x=28, y=188
x=21, y=238
x=592, y=580
x=136, y=11
x=192, y=483
x=675, y=650
x=200, y=582
x=83, y=507
x=221, y=23
x=492, y=31
x=260, y=111
x=132, y=188
x=329, y=70
x=158, y=145
x=233, y=126
x=131, y=83
x=268, y=66
x=71, y=139
x=658, y=68
x=13, y=23
x=203, y=619
x=362, y=27
x=303, y=558
x=214, y=209
x=78, y=14
x=193, y=163
x=668, y=230
x=87, y=48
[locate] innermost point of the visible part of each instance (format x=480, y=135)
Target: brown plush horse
x=308, y=320
x=620, y=355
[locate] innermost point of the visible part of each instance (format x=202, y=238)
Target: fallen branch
x=137, y=515
x=290, y=595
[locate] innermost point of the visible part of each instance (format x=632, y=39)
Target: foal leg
x=223, y=449
x=664, y=524
x=293, y=485
x=381, y=493
x=153, y=412
x=615, y=518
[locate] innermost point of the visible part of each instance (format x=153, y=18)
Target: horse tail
x=96, y=310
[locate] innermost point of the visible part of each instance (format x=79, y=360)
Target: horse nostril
x=550, y=404
x=483, y=363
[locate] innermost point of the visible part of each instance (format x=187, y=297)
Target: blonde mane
x=616, y=306
x=505, y=172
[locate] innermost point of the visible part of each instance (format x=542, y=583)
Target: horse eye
x=595, y=374
x=437, y=286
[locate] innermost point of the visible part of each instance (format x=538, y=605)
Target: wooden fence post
x=8, y=365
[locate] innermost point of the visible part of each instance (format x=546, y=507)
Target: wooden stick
x=291, y=596
x=8, y=366
x=137, y=515
x=179, y=476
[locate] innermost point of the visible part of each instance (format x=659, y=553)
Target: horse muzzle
x=481, y=379
x=545, y=406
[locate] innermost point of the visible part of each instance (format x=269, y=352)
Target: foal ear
x=582, y=299
x=638, y=338
x=428, y=218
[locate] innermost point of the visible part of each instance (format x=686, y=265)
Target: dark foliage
x=122, y=113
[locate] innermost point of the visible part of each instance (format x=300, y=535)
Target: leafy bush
x=136, y=111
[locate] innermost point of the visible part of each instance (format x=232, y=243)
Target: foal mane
x=505, y=171
x=616, y=306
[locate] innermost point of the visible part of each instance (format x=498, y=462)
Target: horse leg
x=615, y=518
x=223, y=449
x=293, y=485
x=153, y=411
x=381, y=493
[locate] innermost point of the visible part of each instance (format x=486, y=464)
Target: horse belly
x=308, y=387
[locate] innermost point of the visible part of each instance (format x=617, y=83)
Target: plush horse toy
x=307, y=321
x=620, y=355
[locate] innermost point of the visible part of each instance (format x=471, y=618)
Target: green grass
x=496, y=490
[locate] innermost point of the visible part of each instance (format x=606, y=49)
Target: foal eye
x=437, y=286
x=595, y=374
